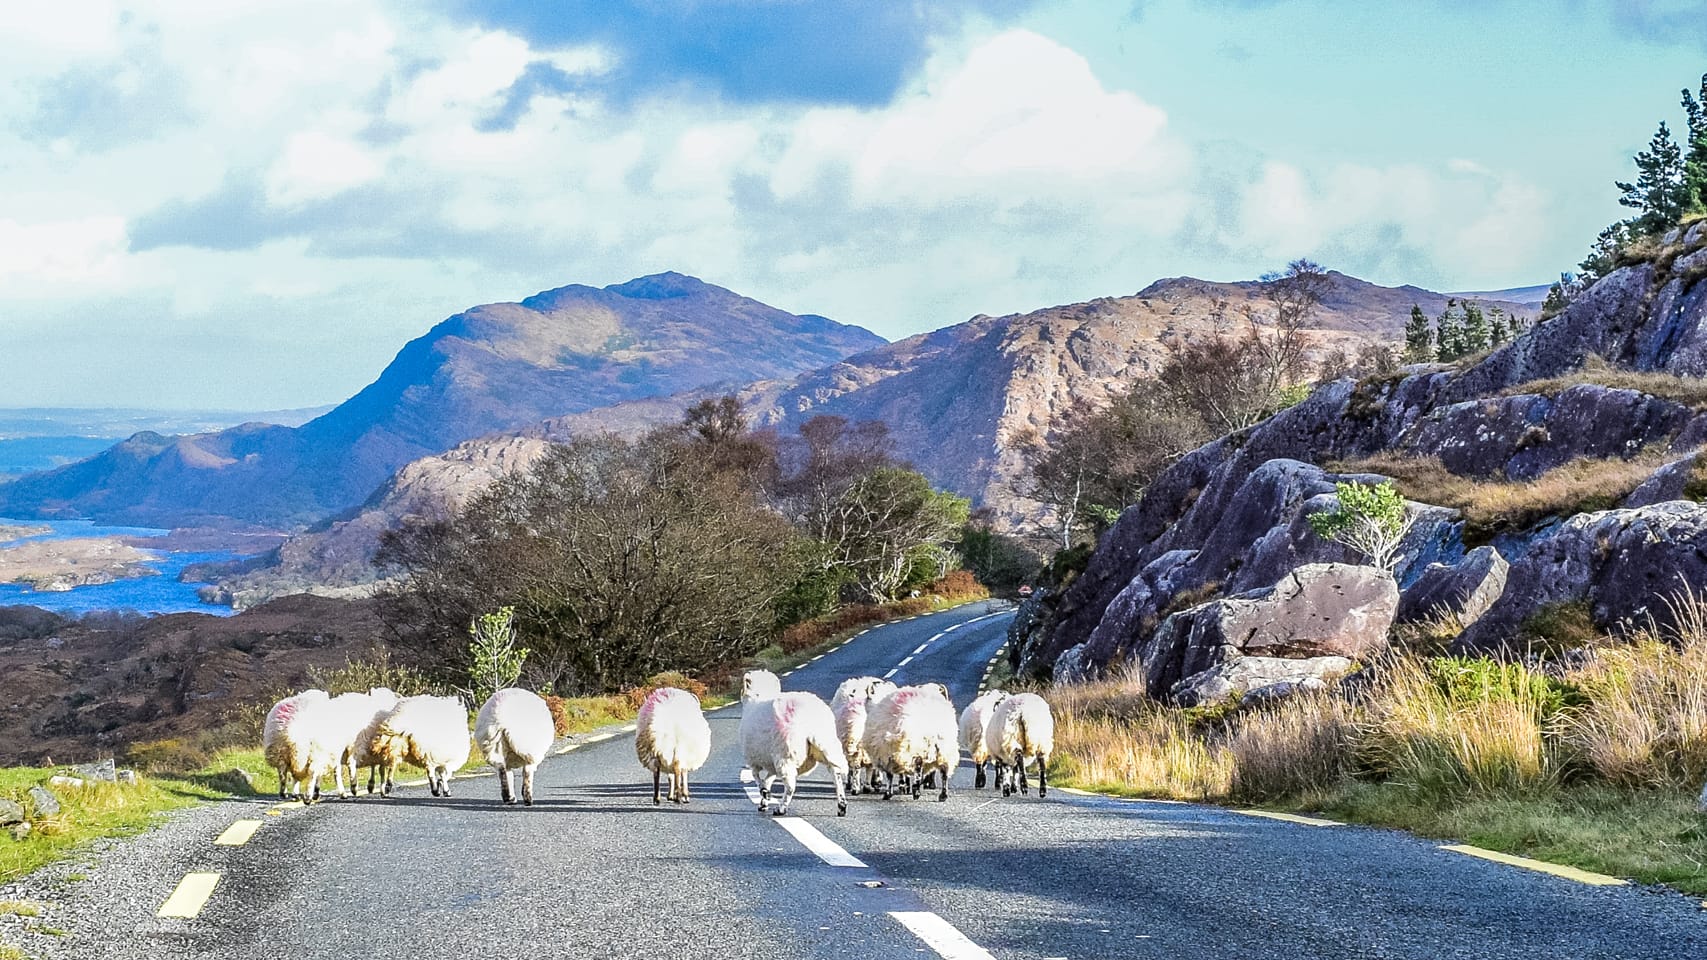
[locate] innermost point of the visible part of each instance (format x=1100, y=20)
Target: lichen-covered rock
x=1319, y=610
x=1258, y=676
x=1624, y=563
x=1463, y=590
x=10, y=812
x=42, y=802
x=1666, y=483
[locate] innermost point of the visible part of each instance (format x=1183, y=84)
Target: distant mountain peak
x=663, y=286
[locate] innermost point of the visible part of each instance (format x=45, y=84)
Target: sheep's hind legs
x=1019, y=769
x=657, y=781
x=1042, y=776
x=978, y=776
x=527, y=784
x=506, y=785
x=788, y=783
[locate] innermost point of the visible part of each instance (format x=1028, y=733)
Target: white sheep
x=786, y=735
x=912, y=733
x=671, y=736
x=974, y=721
x=514, y=729
x=851, y=705
x=349, y=721
x=429, y=732
x=273, y=744
x=1021, y=729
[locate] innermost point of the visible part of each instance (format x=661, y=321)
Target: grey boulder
x=1259, y=677
x=1463, y=590
x=1318, y=610
x=43, y=802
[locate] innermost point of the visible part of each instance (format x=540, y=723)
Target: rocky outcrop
x=1624, y=564
x=1461, y=591
x=1259, y=677
x=1230, y=515
x=1330, y=610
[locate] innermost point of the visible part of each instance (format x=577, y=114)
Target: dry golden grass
x=1595, y=370
x=1297, y=746
x=1491, y=507
x=1453, y=739
x=1645, y=720
x=1110, y=737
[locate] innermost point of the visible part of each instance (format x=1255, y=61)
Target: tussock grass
x=1451, y=728
x=1645, y=720
x=1690, y=391
x=1293, y=748
x=1492, y=507
x=1110, y=737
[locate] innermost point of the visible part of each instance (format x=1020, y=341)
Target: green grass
x=93, y=812
x=1647, y=836
x=19, y=908
x=9, y=952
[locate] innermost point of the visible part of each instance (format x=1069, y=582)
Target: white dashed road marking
x=190, y=896
x=814, y=840
x=940, y=935
x=238, y=833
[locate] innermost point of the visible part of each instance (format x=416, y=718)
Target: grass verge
x=1593, y=763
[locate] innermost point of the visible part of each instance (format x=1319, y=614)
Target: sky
x=252, y=204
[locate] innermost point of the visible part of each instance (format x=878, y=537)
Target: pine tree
x=1477, y=336
x=1449, y=333
x=1660, y=193
x=1695, y=156
x=1498, y=331
x=1603, y=258
x=1419, y=339
x=1558, y=296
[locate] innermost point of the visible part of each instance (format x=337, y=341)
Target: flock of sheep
x=872, y=736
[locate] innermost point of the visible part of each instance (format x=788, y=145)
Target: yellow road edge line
x=1109, y=796
x=1291, y=818
x=1540, y=866
x=190, y=896
x=238, y=833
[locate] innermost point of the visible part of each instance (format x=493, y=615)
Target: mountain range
x=954, y=400
x=497, y=367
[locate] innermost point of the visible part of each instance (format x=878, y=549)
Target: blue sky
x=253, y=203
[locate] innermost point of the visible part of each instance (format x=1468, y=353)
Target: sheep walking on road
x=1021, y=729
x=671, y=736
x=851, y=706
x=429, y=732
x=974, y=722
x=273, y=744
x=351, y=718
x=514, y=729
x=911, y=734
x=786, y=735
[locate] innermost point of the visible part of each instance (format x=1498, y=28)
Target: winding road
x=594, y=870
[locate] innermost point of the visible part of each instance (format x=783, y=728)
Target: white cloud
x=397, y=177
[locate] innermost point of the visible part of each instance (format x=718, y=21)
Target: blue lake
x=161, y=594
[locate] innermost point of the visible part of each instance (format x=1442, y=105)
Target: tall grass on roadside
x=1298, y=746
x=1645, y=720
x=1110, y=737
x=1452, y=728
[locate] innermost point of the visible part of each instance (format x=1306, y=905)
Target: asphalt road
x=594, y=870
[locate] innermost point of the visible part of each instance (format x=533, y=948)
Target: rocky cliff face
x=955, y=399
x=1614, y=377
x=497, y=367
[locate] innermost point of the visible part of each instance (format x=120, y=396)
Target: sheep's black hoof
x=978, y=781
x=657, y=802
x=942, y=797
x=528, y=802
x=1042, y=792
x=841, y=808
